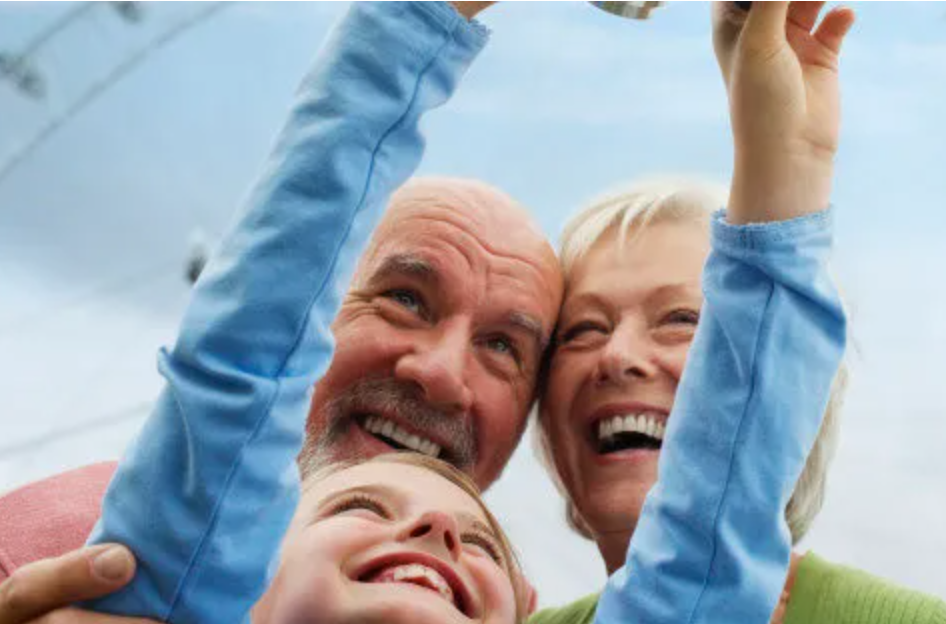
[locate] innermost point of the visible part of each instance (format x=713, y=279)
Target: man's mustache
x=404, y=403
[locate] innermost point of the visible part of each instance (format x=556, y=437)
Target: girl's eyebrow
x=390, y=493
x=380, y=491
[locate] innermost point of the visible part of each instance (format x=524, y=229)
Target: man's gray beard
x=400, y=401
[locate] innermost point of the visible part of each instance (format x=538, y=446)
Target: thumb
x=49, y=584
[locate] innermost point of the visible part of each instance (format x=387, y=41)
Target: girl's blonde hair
x=688, y=201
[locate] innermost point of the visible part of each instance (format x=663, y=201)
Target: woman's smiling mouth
x=629, y=432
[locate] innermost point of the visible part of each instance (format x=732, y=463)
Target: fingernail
x=113, y=564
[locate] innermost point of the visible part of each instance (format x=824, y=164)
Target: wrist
x=778, y=189
x=469, y=10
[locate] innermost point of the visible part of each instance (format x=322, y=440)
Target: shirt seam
x=264, y=417
x=763, y=330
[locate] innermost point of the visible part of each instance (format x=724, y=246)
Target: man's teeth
x=644, y=424
x=419, y=575
x=390, y=430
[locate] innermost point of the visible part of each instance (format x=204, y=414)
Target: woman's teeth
x=641, y=423
x=385, y=428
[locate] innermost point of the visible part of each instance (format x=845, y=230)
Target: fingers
x=43, y=586
x=834, y=27
x=728, y=21
x=805, y=14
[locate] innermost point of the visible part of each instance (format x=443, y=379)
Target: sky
x=566, y=103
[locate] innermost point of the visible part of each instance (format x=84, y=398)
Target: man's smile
x=396, y=436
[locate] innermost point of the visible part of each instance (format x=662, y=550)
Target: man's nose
x=438, y=367
x=627, y=356
x=437, y=532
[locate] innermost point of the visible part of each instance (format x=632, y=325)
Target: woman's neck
x=613, y=548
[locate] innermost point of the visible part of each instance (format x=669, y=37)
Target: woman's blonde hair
x=689, y=201
x=441, y=468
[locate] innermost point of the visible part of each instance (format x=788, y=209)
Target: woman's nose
x=626, y=357
x=437, y=532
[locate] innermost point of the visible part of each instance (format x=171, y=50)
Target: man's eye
x=501, y=344
x=360, y=502
x=484, y=543
x=682, y=317
x=406, y=299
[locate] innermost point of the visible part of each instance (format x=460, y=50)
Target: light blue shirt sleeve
x=206, y=492
x=712, y=544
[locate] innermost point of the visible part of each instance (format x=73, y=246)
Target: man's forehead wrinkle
x=497, y=237
x=484, y=212
x=524, y=250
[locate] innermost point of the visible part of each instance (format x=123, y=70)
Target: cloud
x=598, y=72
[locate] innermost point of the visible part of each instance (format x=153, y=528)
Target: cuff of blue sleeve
x=774, y=233
x=469, y=33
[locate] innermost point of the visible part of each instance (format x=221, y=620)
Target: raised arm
x=205, y=493
x=712, y=544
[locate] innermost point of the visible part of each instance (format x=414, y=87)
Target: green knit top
x=836, y=594
x=823, y=593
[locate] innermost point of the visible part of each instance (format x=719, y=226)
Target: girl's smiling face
x=390, y=542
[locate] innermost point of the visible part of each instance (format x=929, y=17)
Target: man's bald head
x=439, y=341
x=500, y=221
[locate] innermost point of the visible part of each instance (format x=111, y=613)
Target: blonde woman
x=633, y=438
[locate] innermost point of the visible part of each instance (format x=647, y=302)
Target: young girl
x=398, y=538
x=205, y=495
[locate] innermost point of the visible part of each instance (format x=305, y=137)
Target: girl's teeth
x=415, y=573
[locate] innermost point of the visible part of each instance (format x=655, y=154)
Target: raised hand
x=780, y=66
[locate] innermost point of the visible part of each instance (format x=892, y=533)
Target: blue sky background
x=567, y=102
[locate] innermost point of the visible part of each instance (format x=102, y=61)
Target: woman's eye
x=582, y=329
x=682, y=317
x=360, y=503
x=406, y=299
x=485, y=544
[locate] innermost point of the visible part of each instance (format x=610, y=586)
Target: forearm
x=712, y=544
x=205, y=493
